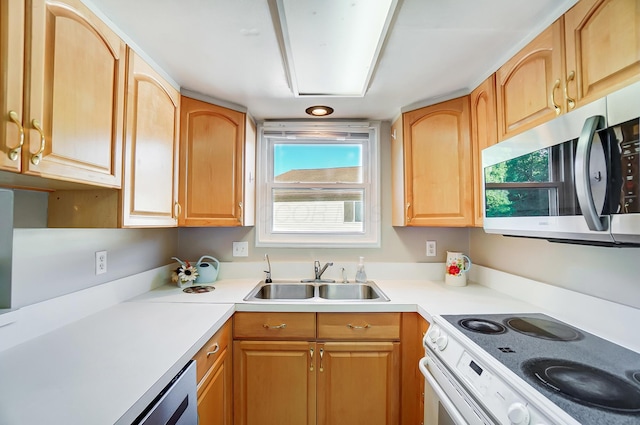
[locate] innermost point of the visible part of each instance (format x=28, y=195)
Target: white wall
x=609, y=273
x=51, y=262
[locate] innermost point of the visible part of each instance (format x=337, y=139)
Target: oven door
x=445, y=400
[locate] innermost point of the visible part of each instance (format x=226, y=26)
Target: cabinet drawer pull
x=570, y=101
x=177, y=209
x=311, y=356
x=407, y=208
x=37, y=157
x=14, y=153
x=321, y=355
x=216, y=348
x=556, y=85
x=367, y=326
x=280, y=326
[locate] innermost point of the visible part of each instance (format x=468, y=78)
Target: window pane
x=317, y=162
x=315, y=211
x=532, y=202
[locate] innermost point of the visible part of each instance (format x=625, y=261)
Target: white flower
x=187, y=273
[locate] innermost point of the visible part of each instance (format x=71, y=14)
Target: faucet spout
x=318, y=270
x=268, y=271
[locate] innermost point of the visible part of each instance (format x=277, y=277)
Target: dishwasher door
x=177, y=403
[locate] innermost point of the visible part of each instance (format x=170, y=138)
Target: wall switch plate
x=241, y=249
x=101, y=262
x=431, y=248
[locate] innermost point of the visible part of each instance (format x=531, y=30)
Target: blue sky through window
x=296, y=156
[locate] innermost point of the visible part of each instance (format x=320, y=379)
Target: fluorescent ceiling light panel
x=331, y=47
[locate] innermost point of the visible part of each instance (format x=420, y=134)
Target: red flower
x=454, y=270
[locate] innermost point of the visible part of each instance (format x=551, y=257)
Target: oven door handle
x=444, y=398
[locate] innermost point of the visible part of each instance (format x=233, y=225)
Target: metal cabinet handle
x=15, y=152
x=216, y=348
x=280, y=326
x=556, y=85
x=311, y=357
x=37, y=157
x=321, y=355
x=241, y=210
x=178, y=207
x=571, y=103
x=407, y=208
x=367, y=326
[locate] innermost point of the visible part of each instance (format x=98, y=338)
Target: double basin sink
x=316, y=291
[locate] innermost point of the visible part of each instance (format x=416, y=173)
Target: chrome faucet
x=267, y=279
x=318, y=270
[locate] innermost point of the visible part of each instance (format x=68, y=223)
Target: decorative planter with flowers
x=184, y=275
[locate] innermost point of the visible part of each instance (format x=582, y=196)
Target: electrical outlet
x=241, y=249
x=431, y=248
x=101, y=262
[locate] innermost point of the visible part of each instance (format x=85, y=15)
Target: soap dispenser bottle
x=361, y=275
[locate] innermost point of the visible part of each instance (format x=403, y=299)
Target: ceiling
x=228, y=50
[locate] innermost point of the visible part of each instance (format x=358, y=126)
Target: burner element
x=543, y=328
x=482, y=326
x=584, y=384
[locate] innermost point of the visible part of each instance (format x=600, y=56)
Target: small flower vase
x=456, y=269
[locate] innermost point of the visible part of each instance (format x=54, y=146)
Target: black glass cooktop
x=593, y=380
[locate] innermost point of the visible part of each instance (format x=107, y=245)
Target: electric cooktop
x=592, y=379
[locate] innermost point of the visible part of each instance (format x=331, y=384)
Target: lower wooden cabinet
x=325, y=380
x=214, y=373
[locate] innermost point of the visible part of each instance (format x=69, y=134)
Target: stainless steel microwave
x=574, y=179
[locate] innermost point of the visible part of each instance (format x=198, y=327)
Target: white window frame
x=369, y=238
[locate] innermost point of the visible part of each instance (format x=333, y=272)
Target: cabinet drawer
x=211, y=351
x=358, y=326
x=270, y=325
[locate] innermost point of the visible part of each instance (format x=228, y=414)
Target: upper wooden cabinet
x=529, y=86
x=213, y=186
x=483, y=134
x=74, y=81
x=12, y=24
x=437, y=166
x=602, y=39
x=150, y=187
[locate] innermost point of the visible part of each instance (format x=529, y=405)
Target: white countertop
x=107, y=367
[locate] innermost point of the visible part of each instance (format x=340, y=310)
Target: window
x=318, y=184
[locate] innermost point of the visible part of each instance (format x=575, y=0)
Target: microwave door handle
x=583, y=183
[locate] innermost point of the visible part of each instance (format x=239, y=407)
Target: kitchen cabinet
x=348, y=373
x=12, y=24
x=412, y=389
x=484, y=133
x=214, y=374
x=68, y=101
x=217, y=166
x=149, y=191
x=602, y=48
x=437, y=166
x=529, y=86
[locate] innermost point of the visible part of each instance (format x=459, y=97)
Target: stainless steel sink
x=289, y=291
x=316, y=292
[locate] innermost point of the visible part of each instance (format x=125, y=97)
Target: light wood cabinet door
x=411, y=378
x=484, y=133
x=75, y=81
x=150, y=186
x=12, y=24
x=529, y=86
x=438, y=167
x=602, y=39
x=214, y=373
x=211, y=164
x=358, y=383
x=274, y=382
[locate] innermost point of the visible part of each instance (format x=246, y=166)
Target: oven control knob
x=434, y=333
x=518, y=414
x=441, y=342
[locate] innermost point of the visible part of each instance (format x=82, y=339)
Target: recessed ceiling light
x=319, y=111
x=331, y=48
